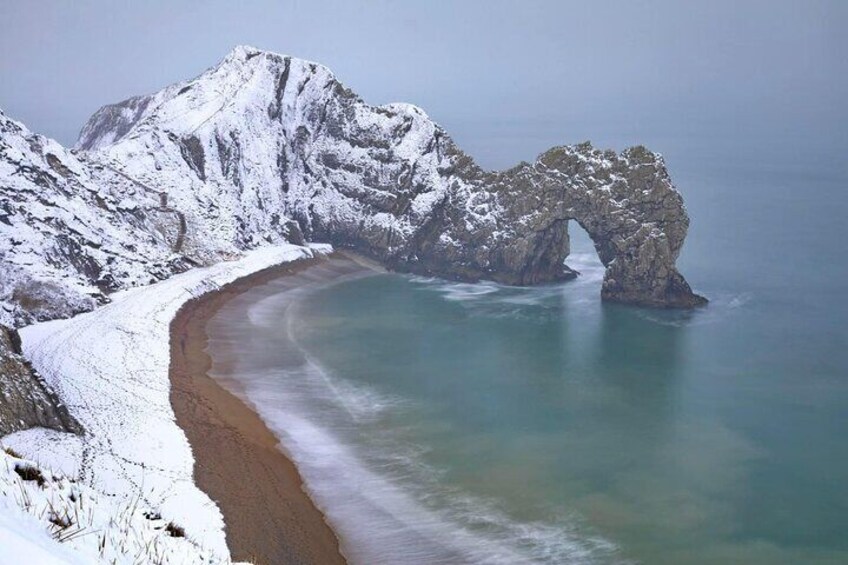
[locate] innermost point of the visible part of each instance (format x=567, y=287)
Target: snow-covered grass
x=111, y=368
x=48, y=518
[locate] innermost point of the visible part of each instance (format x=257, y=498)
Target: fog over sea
x=438, y=422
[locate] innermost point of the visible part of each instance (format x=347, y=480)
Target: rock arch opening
x=583, y=259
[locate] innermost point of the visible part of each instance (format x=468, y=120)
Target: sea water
x=438, y=422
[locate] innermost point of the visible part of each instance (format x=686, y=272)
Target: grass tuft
x=29, y=472
x=174, y=530
x=61, y=522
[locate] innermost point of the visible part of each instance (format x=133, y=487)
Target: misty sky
x=506, y=79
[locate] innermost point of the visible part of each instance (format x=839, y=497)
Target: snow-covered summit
x=182, y=104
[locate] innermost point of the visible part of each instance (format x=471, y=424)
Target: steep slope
x=266, y=148
x=26, y=401
x=72, y=231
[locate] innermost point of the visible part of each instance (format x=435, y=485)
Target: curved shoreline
x=238, y=463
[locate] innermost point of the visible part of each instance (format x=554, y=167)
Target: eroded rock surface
x=25, y=399
x=625, y=202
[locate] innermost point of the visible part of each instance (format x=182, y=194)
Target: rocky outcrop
x=269, y=139
x=25, y=399
x=626, y=203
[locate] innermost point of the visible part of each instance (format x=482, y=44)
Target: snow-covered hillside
x=72, y=231
x=261, y=138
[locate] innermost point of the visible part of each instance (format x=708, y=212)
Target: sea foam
x=385, y=502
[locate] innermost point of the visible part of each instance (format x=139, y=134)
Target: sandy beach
x=269, y=518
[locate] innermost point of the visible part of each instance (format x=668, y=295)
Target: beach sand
x=238, y=462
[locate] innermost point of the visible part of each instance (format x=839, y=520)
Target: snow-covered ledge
x=111, y=367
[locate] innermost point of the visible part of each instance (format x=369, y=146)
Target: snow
x=58, y=520
x=24, y=540
x=262, y=140
x=110, y=367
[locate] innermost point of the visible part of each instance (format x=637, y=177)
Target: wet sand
x=238, y=462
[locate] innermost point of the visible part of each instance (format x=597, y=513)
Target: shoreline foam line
x=111, y=367
x=382, y=498
x=240, y=462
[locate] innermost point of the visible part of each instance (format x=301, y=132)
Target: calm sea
x=437, y=422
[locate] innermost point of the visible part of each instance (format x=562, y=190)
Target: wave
x=721, y=306
x=387, y=504
x=373, y=484
x=533, y=303
x=588, y=265
x=580, y=297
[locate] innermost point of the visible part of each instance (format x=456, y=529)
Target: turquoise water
x=438, y=422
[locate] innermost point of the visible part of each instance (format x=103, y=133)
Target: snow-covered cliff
x=72, y=230
x=264, y=147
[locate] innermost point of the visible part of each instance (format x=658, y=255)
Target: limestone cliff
x=263, y=147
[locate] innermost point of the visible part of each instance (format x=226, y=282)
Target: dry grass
x=29, y=472
x=124, y=533
x=174, y=530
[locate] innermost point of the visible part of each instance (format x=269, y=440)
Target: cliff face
x=25, y=399
x=265, y=147
x=626, y=203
